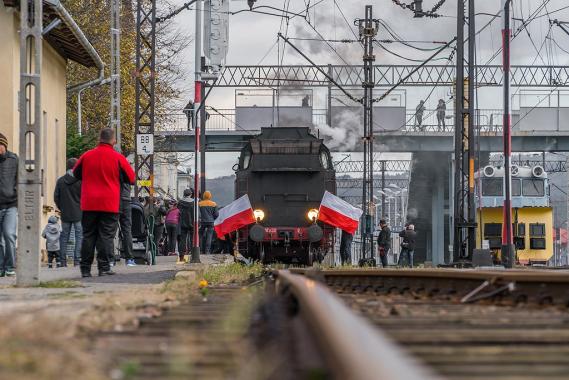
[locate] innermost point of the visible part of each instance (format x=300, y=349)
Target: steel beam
x=387, y=75
x=234, y=141
x=356, y=183
x=357, y=166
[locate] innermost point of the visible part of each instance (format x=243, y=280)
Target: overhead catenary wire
x=332, y=80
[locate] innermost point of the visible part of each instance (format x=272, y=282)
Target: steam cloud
x=346, y=133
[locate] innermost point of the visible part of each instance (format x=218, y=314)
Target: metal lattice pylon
x=116, y=69
x=145, y=86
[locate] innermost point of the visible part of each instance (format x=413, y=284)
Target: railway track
x=196, y=340
x=363, y=324
x=467, y=324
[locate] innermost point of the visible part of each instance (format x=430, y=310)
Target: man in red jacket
x=101, y=171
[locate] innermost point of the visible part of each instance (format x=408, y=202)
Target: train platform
x=59, y=284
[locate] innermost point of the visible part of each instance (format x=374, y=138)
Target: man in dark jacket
x=384, y=242
x=186, y=206
x=346, y=248
x=154, y=212
x=125, y=220
x=8, y=207
x=208, y=214
x=101, y=169
x=407, y=245
x=67, y=197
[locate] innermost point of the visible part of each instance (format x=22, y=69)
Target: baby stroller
x=141, y=245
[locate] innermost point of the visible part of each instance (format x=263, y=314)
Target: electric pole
x=30, y=149
x=197, y=136
x=464, y=219
x=367, y=31
x=116, y=70
x=508, y=254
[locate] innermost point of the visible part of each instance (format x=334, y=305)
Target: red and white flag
x=235, y=215
x=339, y=213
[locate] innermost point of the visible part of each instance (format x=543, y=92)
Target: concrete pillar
x=438, y=220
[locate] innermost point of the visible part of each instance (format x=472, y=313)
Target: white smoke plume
x=346, y=132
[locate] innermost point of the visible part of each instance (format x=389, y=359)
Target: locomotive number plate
x=270, y=230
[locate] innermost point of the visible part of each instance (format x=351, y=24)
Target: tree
x=94, y=19
x=77, y=145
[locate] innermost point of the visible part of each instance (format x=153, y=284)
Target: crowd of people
x=407, y=239
x=93, y=200
x=173, y=223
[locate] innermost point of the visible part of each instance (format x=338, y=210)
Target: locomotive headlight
x=312, y=215
x=259, y=215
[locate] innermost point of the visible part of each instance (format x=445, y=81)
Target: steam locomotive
x=285, y=171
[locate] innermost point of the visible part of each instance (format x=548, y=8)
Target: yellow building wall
x=53, y=101
x=527, y=215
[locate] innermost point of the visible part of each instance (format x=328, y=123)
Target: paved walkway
x=127, y=279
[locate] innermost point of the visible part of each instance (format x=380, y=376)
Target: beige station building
x=66, y=42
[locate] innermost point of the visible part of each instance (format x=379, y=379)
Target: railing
x=487, y=121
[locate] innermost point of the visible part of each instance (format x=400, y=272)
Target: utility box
x=482, y=258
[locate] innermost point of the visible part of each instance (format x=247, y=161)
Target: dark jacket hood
x=186, y=201
x=69, y=179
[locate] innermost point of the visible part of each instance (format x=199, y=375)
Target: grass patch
x=129, y=369
x=60, y=284
x=180, y=288
x=233, y=273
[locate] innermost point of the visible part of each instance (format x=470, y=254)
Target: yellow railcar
x=532, y=216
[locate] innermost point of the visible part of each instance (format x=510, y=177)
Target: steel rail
x=352, y=348
x=529, y=276
x=524, y=286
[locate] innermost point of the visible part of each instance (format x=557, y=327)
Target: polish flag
x=339, y=213
x=235, y=215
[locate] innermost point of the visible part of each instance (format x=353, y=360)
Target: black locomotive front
x=285, y=172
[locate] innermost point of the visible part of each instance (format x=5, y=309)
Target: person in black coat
x=408, y=245
x=346, y=248
x=186, y=207
x=384, y=242
x=67, y=197
x=8, y=208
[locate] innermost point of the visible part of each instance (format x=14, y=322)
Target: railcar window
x=516, y=188
x=324, y=160
x=533, y=187
x=537, y=243
x=492, y=187
x=521, y=229
x=246, y=159
x=492, y=229
x=537, y=230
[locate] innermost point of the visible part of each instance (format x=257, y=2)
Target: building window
x=57, y=148
x=44, y=147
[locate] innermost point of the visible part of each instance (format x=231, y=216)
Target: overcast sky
x=253, y=41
